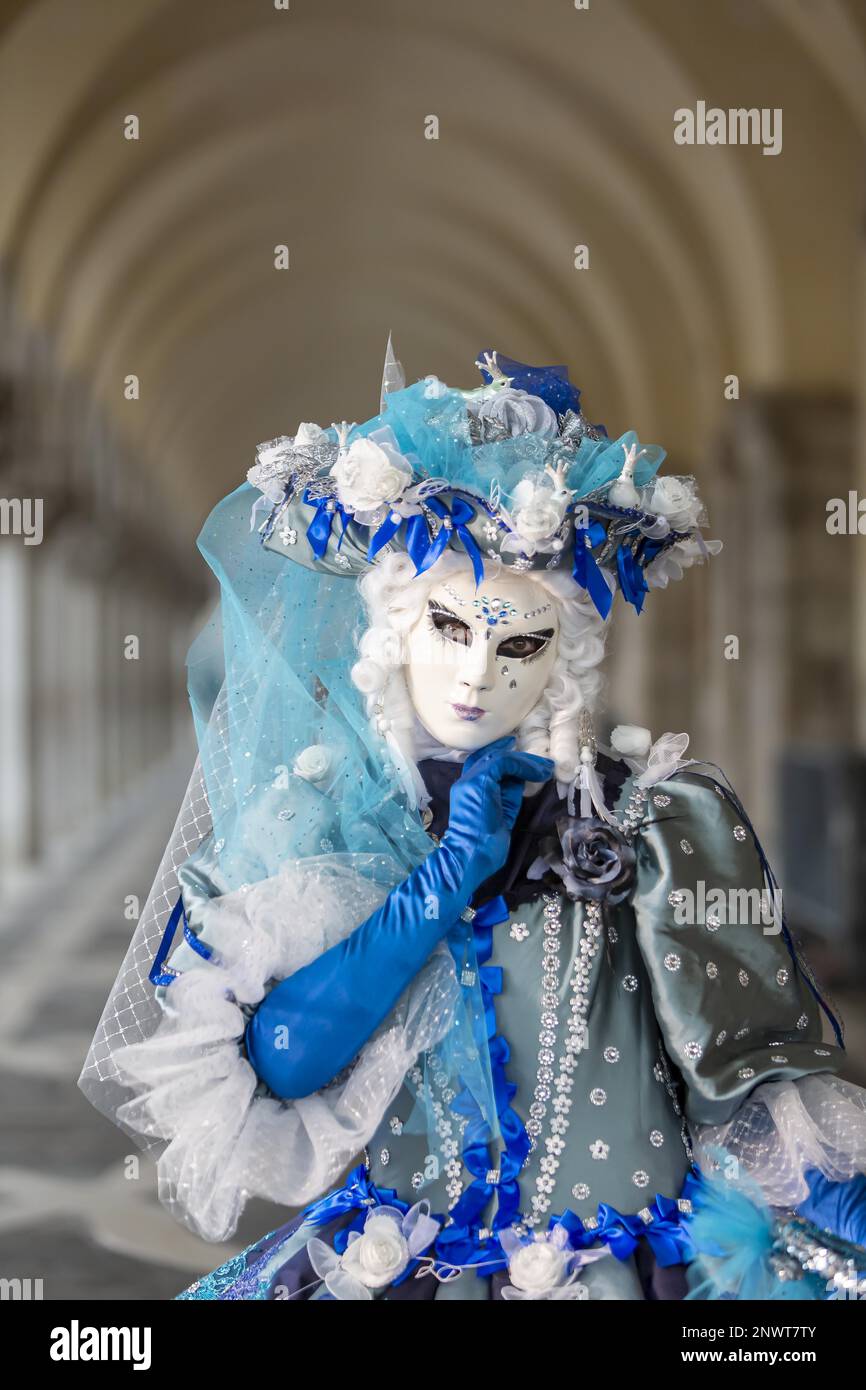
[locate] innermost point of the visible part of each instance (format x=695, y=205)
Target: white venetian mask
x=478, y=661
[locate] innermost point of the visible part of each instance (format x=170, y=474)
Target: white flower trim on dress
x=314, y=764
x=784, y=1128
x=544, y=1267
x=376, y=1256
x=197, y=1092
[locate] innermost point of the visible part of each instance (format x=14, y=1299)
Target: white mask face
x=480, y=660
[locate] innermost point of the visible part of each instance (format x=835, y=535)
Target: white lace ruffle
x=786, y=1127
x=196, y=1091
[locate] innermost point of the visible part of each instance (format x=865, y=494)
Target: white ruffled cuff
x=196, y=1092
x=785, y=1128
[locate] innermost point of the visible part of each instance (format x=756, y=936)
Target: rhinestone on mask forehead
x=493, y=610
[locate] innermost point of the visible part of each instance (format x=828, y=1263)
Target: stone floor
x=74, y=1212
x=76, y=1209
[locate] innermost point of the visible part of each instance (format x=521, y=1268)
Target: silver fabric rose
x=593, y=860
x=519, y=413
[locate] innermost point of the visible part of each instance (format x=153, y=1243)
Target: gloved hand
x=329, y=1008
x=839, y=1207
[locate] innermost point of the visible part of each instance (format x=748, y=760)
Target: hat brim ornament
x=511, y=472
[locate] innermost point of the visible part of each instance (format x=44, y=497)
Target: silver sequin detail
x=803, y=1021
x=693, y=1050
x=713, y=922
x=611, y=1054
x=661, y=800
x=743, y=977
x=740, y=832
x=630, y=984
x=746, y=1073
x=782, y=976
x=598, y=1096
x=676, y=897
x=720, y=1037
x=712, y=970
x=686, y=848
x=519, y=931
x=417, y=1180
x=384, y=1157
x=778, y=1059
x=656, y=1138
x=580, y=1191
x=672, y=961
x=822, y=1052
x=640, y=1178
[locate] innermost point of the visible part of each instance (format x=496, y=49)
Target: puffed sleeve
x=739, y=1012
x=733, y=1001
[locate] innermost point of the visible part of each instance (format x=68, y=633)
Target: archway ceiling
x=556, y=127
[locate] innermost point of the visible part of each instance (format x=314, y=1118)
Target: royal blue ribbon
x=586, y=571
x=386, y=532
x=319, y=529
x=631, y=580
x=459, y=1243
x=666, y=1233
x=425, y=552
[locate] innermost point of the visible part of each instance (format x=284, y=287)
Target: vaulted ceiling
x=262, y=126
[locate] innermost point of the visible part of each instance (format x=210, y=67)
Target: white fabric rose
x=538, y=1267
x=537, y=510
x=369, y=474
x=314, y=763
x=379, y=1254
x=519, y=412
x=376, y=1256
x=677, y=499
x=631, y=740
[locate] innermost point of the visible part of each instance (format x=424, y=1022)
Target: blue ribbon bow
x=424, y=552
x=319, y=529
x=586, y=571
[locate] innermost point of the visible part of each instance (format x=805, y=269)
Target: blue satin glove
x=839, y=1207
x=328, y=1009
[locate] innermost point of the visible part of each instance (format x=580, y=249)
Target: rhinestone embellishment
x=746, y=1073
x=630, y=983
x=661, y=800
x=656, y=1138
x=580, y=1191
x=599, y=1149
x=611, y=1054
x=686, y=848
x=598, y=1096
x=693, y=1051
x=672, y=961
x=740, y=832
x=675, y=897
x=803, y=1021
x=712, y=970
x=743, y=977
x=519, y=931
x=782, y=976
x=640, y=1178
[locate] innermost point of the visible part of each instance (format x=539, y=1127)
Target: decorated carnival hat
x=511, y=472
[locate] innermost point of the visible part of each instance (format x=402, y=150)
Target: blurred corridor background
x=431, y=170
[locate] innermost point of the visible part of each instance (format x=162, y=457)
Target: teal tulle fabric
x=430, y=423
x=269, y=679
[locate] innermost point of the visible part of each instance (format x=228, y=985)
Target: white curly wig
x=395, y=597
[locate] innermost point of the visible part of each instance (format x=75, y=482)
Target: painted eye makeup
x=525, y=644
x=449, y=626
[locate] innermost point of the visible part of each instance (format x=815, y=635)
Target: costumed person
x=496, y=1009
